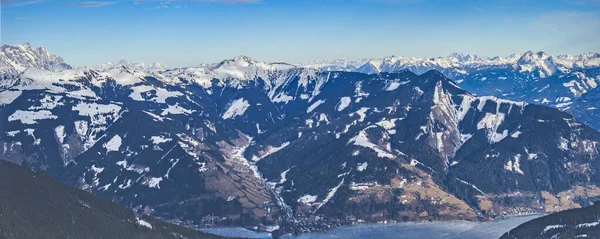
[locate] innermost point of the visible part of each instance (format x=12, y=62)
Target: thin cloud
x=21, y=2
x=165, y=2
x=583, y=2
x=91, y=4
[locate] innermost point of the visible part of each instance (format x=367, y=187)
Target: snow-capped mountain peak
x=540, y=61
x=15, y=59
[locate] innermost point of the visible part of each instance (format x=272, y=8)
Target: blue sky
x=189, y=32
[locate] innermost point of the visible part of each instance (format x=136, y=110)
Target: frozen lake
x=445, y=230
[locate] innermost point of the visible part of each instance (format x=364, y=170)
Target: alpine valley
x=294, y=148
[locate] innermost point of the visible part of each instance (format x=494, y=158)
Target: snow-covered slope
x=15, y=59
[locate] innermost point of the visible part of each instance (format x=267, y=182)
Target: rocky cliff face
x=15, y=59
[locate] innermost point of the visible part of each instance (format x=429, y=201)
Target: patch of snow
x=331, y=194
x=394, y=85
x=307, y=199
x=203, y=167
x=154, y=182
x=362, y=113
x=7, y=97
x=113, y=144
x=514, y=165
x=48, y=102
x=314, y=105
x=176, y=110
x=362, y=140
x=362, y=166
x=552, y=227
x=282, y=97
x=237, y=108
x=31, y=117
x=491, y=122
x=344, y=102
x=160, y=95
x=589, y=224
x=60, y=133
x=94, y=109
x=283, y=175
x=470, y=184
x=271, y=150
x=159, y=139
x=157, y=118
x=143, y=223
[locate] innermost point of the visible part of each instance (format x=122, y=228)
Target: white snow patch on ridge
x=159, y=139
x=491, y=122
x=154, y=182
x=362, y=140
x=307, y=199
x=344, y=102
x=394, y=85
x=237, y=108
x=331, y=194
x=143, y=223
x=31, y=117
x=94, y=109
x=314, y=105
x=113, y=144
x=160, y=95
x=176, y=110
x=60, y=133
x=551, y=227
x=362, y=167
x=514, y=166
x=7, y=97
x=272, y=150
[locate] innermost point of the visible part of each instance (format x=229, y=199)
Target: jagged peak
x=239, y=59
x=529, y=56
x=25, y=45
x=136, y=65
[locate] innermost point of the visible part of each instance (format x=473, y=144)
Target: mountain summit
x=15, y=59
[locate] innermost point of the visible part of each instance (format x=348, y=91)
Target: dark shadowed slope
x=36, y=206
x=574, y=223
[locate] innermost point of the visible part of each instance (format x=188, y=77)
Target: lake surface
x=445, y=230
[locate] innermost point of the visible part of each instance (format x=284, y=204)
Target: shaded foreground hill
x=36, y=206
x=574, y=223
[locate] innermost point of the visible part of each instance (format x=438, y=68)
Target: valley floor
x=409, y=230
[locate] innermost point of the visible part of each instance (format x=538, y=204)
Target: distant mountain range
x=36, y=206
x=538, y=78
x=291, y=149
x=140, y=66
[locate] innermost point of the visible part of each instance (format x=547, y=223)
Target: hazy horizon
x=182, y=33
